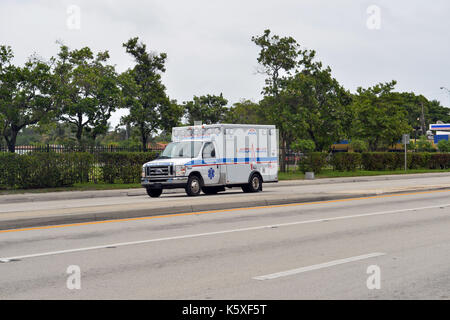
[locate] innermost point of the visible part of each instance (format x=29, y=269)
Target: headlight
x=143, y=172
x=180, y=170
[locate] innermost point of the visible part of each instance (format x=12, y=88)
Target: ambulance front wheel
x=254, y=185
x=194, y=186
x=154, y=193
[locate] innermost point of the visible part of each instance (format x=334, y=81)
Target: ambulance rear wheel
x=154, y=193
x=254, y=185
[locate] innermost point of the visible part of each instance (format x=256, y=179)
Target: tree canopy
x=87, y=90
x=207, y=109
x=150, y=109
x=26, y=95
x=380, y=115
x=70, y=99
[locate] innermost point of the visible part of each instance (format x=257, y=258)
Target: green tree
x=437, y=112
x=416, y=107
x=30, y=136
x=422, y=112
x=358, y=145
x=207, y=109
x=171, y=115
x=25, y=95
x=423, y=145
x=303, y=145
x=278, y=57
x=144, y=94
x=87, y=89
x=380, y=117
x=444, y=146
x=322, y=104
x=245, y=112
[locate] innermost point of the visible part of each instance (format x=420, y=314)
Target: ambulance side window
x=209, y=151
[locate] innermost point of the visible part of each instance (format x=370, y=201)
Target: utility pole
x=406, y=140
x=422, y=120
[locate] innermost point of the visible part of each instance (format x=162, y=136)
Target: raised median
x=26, y=211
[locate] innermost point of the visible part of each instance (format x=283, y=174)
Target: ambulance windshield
x=184, y=149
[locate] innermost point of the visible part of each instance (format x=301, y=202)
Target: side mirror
x=213, y=153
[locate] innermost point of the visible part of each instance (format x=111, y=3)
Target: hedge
x=344, y=161
x=439, y=161
x=44, y=170
x=386, y=161
x=124, y=167
x=49, y=169
x=313, y=162
x=380, y=161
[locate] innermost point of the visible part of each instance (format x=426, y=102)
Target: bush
x=418, y=160
x=444, y=146
x=344, y=161
x=359, y=145
x=423, y=145
x=394, y=161
x=125, y=167
x=9, y=167
x=48, y=169
x=303, y=146
x=44, y=169
x=439, y=161
x=313, y=162
x=379, y=161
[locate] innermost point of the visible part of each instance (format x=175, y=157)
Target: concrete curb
x=68, y=195
x=138, y=213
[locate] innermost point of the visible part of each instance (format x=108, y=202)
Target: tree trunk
x=144, y=142
x=11, y=141
x=79, y=134
x=313, y=138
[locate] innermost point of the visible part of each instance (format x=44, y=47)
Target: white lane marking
x=8, y=259
x=318, y=266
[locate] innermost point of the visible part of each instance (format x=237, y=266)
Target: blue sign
x=440, y=127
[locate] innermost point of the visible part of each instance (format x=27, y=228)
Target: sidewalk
x=39, y=210
x=66, y=195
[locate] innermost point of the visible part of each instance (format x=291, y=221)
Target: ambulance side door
x=210, y=169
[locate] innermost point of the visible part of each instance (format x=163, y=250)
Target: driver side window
x=209, y=151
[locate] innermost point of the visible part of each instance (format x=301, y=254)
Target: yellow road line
x=222, y=210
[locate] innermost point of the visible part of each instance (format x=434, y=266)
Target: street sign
x=405, y=139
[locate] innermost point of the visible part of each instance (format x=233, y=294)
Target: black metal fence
x=94, y=173
x=291, y=157
x=90, y=149
x=93, y=169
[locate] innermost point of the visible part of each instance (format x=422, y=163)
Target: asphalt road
x=28, y=213
x=303, y=251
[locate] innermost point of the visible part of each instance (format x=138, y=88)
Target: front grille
x=159, y=171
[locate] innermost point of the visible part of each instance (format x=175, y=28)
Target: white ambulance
x=209, y=158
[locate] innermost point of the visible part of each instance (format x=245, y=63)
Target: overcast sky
x=209, y=48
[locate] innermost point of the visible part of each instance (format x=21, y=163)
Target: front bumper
x=164, y=183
